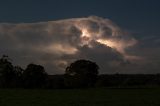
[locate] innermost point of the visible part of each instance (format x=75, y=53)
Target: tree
x=34, y=76
x=81, y=73
x=8, y=75
x=18, y=76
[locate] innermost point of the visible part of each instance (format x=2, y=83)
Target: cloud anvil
x=55, y=44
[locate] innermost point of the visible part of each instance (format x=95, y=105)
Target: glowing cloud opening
x=108, y=43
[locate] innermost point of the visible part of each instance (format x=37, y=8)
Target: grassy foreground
x=80, y=97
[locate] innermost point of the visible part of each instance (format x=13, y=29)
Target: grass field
x=80, y=97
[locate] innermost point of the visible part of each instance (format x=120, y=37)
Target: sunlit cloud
x=55, y=44
x=61, y=49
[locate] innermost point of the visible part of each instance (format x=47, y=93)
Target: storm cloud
x=55, y=44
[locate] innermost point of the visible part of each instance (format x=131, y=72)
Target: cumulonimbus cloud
x=55, y=44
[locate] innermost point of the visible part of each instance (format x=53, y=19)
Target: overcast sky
x=120, y=35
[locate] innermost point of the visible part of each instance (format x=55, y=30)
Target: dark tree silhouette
x=8, y=76
x=81, y=73
x=18, y=76
x=34, y=76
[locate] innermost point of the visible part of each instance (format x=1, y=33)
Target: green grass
x=80, y=97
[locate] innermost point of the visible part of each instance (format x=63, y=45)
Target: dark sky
x=140, y=16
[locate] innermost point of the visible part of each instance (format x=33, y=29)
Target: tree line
x=82, y=73
x=79, y=74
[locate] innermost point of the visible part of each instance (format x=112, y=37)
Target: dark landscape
x=81, y=97
x=33, y=87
